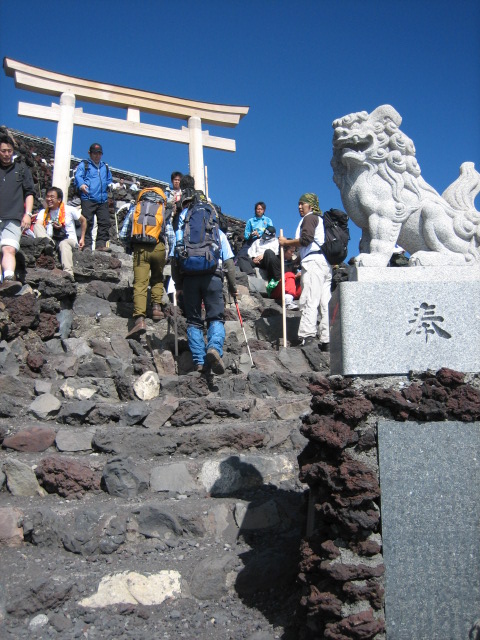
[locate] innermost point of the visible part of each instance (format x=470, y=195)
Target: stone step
x=130, y=460
x=202, y=561
x=234, y=498
x=138, y=495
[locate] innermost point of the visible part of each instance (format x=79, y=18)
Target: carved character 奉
x=383, y=192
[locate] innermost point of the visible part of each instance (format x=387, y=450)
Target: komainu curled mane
x=375, y=168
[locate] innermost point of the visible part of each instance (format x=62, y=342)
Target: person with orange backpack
x=147, y=240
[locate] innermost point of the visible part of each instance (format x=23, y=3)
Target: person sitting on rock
x=57, y=222
x=251, y=256
x=256, y=226
x=268, y=241
x=271, y=263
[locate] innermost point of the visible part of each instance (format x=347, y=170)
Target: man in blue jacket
x=92, y=179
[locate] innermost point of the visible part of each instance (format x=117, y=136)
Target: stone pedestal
x=394, y=320
x=430, y=509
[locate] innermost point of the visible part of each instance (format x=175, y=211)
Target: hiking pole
x=284, y=311
x=244, y=332
x=172, y=290
x=175, y=321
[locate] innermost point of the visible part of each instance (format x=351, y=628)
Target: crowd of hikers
x=182, y=227
x=189, y=231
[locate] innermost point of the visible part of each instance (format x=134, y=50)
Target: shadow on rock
x=270, y=520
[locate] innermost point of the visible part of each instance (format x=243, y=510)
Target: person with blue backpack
x=200, y=257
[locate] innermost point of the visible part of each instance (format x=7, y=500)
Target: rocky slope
x=140, y=498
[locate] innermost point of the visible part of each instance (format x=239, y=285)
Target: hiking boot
x=214, y=361
x=308, y=340
x=10, y=286
x=157, y=312
x=324, y=347
x=139, y=328
x=104, y=248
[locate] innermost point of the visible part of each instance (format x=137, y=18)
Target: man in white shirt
x=57, y=221
x=267, y=241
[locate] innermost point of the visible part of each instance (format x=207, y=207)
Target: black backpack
x=200, y=245
x=335, y=225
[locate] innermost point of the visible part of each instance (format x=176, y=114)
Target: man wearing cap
x=316, y=276
x=267, y=241
x=92, y=179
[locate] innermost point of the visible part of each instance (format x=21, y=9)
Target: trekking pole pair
x=244, y=332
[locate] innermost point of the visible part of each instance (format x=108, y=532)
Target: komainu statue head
x=375, y=168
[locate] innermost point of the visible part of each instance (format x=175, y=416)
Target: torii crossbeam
x=135, y=101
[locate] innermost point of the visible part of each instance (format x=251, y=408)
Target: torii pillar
x=63, y=143
x=135, y=101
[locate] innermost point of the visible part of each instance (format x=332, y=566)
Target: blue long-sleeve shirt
x=257, y=224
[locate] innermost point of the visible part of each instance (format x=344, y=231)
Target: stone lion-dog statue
x=375, y=168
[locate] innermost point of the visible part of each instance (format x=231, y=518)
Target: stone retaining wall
x=341, y=565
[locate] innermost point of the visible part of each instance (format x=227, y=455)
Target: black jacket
x=16, y=183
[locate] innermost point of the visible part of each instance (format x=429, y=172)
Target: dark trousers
x=246, y=265
x=208, y=289
x=272, y=265
x=90, y=209
x=244, y=262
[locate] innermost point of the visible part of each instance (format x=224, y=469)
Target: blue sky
x=298, y=65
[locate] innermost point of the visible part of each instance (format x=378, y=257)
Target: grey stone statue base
x=430, y=483
x=395, y=320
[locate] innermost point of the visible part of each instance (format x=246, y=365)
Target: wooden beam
x=124, y=126
x=48, y=82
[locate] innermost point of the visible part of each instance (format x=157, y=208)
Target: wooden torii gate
x=135, y=101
